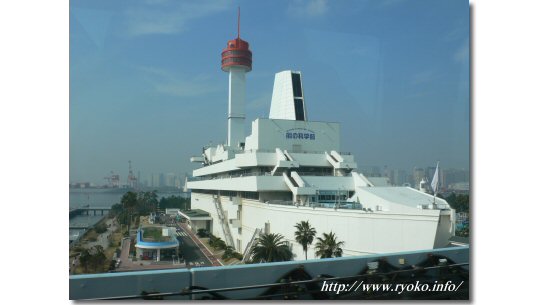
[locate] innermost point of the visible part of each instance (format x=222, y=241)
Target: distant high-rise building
x=153, y=180
x=170, y=180
x=370, y=170
x=430, y=171
x=162, y=181
x=418, y=175
x=398, y=177
x=454, y=176
x=149, y=180
x=178, y=182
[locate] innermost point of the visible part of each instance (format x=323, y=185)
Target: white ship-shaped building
x=289, y=169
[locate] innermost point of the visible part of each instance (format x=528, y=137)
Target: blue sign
x=300, y=134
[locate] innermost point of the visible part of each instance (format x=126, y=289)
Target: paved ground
x=102, y=239
x=194, y=244
x=193, y=255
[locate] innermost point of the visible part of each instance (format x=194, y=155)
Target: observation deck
x=236, y=54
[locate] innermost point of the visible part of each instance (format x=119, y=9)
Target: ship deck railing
x=292, y=152
x=261, y=174
x=322, y=205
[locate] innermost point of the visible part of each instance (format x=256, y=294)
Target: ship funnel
x=288, y=97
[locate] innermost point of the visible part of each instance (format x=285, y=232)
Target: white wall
x=445, y=230
x=255, y=159
x=205, y=202
x=245, y=184
x=330, y=183
x=282, y=104
x=363, y=232
x=268, y=134
x=236, y=106
x=224, y=166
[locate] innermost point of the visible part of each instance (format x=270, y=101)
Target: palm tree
x=304, y=235
x=271, y=248
x=327, y=246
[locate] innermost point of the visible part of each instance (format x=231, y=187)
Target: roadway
x=192, y=254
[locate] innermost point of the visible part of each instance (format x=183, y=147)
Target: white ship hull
x=363, y=232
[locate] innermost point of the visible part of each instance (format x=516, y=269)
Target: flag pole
x=435, y=182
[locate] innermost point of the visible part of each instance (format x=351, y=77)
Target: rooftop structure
x=151, y=240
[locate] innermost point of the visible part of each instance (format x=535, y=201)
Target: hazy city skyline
x=146, y=84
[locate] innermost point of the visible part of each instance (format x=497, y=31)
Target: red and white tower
x=237, y=61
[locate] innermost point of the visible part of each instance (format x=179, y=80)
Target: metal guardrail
x=286, y=280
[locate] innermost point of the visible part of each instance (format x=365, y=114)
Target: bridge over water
x=86, y=210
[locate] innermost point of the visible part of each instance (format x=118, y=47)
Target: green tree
x=92, y=259
x=84, y=259
x=328, y=246
x=147, y=202
x=174, y=202
x=123, y=218
x=98, y=257
x=271, y=248
x=304, y=235
x=129, y=201
x=459, y=202
x=115, y=210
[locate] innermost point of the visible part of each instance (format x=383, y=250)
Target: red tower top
x=236, y=53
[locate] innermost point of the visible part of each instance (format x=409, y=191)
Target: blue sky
x=146, y=84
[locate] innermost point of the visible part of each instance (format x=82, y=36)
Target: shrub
x=220, y=244
x=112, y=265
x=238, y=256
x=202, y=233
x=228, y=253
x=217, y=243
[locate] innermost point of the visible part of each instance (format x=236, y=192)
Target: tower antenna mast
x=238, y=22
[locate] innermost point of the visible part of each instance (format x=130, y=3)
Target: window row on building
x=241, y=60
x=237, y=53
x=245, y=195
